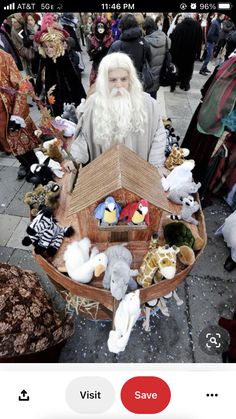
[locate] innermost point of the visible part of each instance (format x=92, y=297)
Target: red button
x=145, y=395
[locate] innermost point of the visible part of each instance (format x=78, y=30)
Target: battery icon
x=224, y=6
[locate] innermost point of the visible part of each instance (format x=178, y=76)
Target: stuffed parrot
x=108, y=211
x=137, y=212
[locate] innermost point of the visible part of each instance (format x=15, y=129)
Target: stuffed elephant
x=118, y=275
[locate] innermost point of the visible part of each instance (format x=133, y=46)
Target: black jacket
x=69, y=88
x=132, y=43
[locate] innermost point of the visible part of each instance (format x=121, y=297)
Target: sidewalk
x=208, y=292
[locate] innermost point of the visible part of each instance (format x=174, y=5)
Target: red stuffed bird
x=137, y=212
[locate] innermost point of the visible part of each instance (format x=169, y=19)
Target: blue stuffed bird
x=108, y=211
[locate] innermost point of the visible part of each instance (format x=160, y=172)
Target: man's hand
x=69, y=166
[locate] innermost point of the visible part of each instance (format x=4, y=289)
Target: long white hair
x=116, y=116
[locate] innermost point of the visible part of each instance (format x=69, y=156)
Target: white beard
x=114, y=118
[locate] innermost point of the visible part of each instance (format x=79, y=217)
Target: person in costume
x=211, y=118
x=16, y=127
x=119, y=112
x=99, y=44
x=56, y=68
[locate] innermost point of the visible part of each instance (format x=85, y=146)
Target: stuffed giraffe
x=158, y=263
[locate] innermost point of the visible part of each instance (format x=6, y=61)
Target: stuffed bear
x=45, y=235
x=41, y=196
x=176, y=157
x=118, y=275
x=176, y=195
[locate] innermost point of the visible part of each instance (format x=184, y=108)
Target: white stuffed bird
x=81, y=266
x=126, y=316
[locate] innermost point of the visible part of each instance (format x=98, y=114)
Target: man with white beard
x=119, y=112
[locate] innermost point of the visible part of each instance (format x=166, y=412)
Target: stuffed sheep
x=179, y=176
x=177, y=194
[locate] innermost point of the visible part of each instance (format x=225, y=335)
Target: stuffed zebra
x=45, y=234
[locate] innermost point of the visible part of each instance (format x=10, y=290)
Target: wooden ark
x=121, y=173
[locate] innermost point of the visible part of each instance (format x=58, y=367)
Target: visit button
x=145, y=395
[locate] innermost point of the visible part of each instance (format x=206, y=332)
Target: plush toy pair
x=45, y=234
x=189, y=208
x=43, y=196
x=110, y=212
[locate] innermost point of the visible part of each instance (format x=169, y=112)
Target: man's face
x=49, y=49
x=118, y=78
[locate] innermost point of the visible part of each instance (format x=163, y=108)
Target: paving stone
x=208, y=300
x=18, y=234
x=175, y=102
x=9, y=186
x=6, y=161
x=5, y=254
x=8, y=224
x=17, y=205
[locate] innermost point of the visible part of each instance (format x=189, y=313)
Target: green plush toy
x=178, y=234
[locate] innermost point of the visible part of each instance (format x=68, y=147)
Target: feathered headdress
x=51, y=31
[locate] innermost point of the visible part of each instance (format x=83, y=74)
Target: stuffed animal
x=157, y=264
x=136, y=212
x=172, y=139
x=108, y=212
x=176, y=157
x=41, y=196
x=228, y=230
x=45, y=235
x=189, y=208
x=176, y=195
x=179, y=176
x=126, y=316
x=118, y=275
x=53, y=165
x=161, y=304
x=66, y=127
x=178, y=233
x=53, y=149
x=69, y=112
x=41, y=173
x=80, y=265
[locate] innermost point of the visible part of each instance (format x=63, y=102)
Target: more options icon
x=214, y=340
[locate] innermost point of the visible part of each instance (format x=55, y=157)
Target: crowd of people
x=121, y=107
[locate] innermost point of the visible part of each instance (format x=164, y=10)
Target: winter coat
x=132, y=43
x=159, y=44
x=68, y=89
x=14, y=104
x=150, y=145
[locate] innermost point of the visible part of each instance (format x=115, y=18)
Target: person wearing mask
x=119, y=112
x=99, y=44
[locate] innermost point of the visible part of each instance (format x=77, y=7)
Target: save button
x=148, y=395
